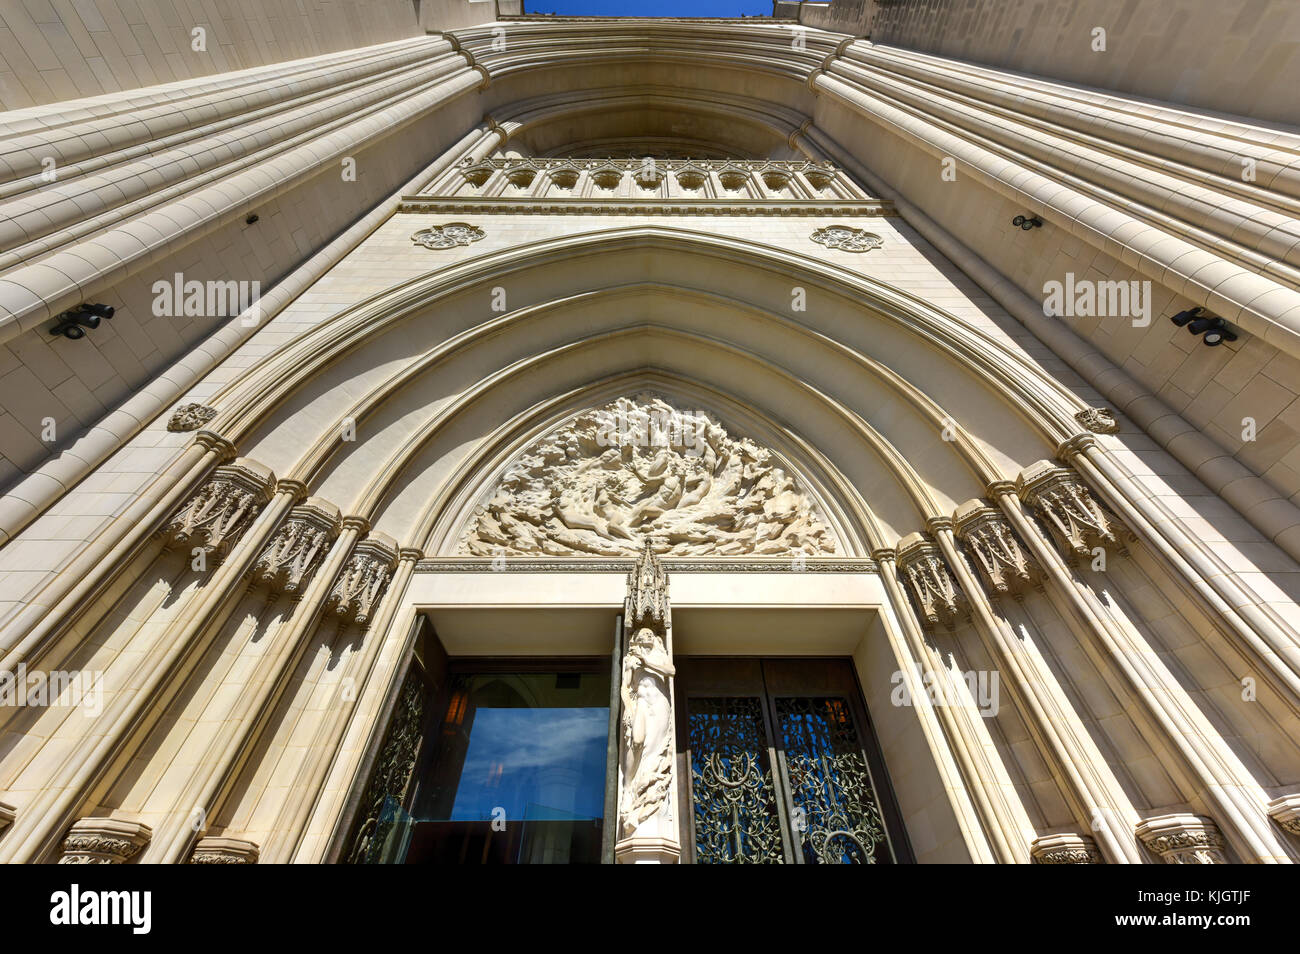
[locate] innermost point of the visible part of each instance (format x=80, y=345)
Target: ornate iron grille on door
x=780, y=768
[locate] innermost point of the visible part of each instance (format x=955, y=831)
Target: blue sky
x=651, y=8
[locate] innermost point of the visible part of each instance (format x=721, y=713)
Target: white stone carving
x=921, y=565
x=1064, y=849
x=1099, y=420
x=640, y=467
x=222, y=508
x=848, y=239
x=190, y=417
x=1069, y=510
x=220, y=850
x=103, y=841
x=287, y=563
x=645, y=815
x=451, y=235
x=1002, y=562
x=1183, y=839
x=363, y=580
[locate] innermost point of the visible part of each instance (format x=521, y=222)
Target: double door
x=779, y=765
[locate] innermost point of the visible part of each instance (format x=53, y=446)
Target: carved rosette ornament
x=1002, y=561
x=1099, y=420
x=647, y=831
x=364, y=578
x=103, y=841
x=222, y=508
x=288, y=562
x=1064, y=849
x=1183, y=839
x=935, y=592
x=220, y=850
x=190, y=417
x=847, y=239
x=1075, y=519
x=451, y=235
x=642, y=467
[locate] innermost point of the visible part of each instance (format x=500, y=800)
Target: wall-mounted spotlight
x=1028, y=222
x=250, y=218
x=74, y=322
x=1214, y=331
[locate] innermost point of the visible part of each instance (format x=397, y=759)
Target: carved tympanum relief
x=641, y=467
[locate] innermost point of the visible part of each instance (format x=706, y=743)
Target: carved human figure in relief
x=643, y=467
x=647, y=731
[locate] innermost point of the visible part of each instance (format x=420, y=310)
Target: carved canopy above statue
x=641, y=467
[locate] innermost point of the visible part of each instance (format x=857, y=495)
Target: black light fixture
x=1213, y=331
x=1028, y=222
x=250, y=218
x=74, y=322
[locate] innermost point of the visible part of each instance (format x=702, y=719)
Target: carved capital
x=1099, y=420
x=288, y=562
x=1003, y=564
x=220, y=850
x=1183, y=839
x=363, y=580
x=222, y=508
x=1076, y=520
x=1285, y=810
x=215, y=442
x=190, y=417
x=1064, y=849
x=103, y=841
x=923, y=570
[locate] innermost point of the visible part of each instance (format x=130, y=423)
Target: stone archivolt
x=640, y=467
x=222, y=508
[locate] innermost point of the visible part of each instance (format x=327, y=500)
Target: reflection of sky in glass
x=535, y=763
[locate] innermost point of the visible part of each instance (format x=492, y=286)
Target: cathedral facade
x=443, y=433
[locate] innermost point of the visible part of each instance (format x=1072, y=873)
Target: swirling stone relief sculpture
x=642, y=468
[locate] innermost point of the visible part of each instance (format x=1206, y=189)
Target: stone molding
x=363, y=579
x=937, y=597
x=222, y=508
x=103, y=841
x=289, y=560
x=7, y=815
x=1183, y=839
x=220, y=850
x=523, y=564
x=624, y=205
x=190, y=417
x=1066, y=848
x=1075, y=519
x=1004, y=566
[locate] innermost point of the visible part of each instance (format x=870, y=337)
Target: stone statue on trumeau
x=647, y=828
x=647, y=731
